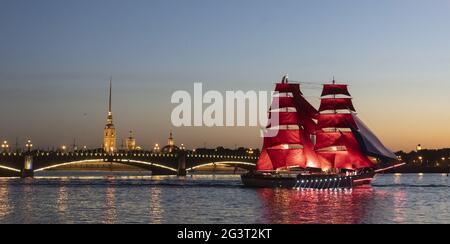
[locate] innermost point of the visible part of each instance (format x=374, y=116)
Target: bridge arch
x=152, y=165
x=125, y=162
x=9, y=169
x=228, y=163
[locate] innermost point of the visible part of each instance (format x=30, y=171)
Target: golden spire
x=109, y=133
x=110, y=94
x=171, y=141
x=110, y=118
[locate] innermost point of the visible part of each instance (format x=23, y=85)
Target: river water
x=137, y=198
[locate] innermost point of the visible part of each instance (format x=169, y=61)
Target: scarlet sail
x=336, y=104
x=330, y=149
x=287, y=87
x=287, y=142
x=342, y=142
x=342, y=139
x=287, y=158
x=335, y=89
x=283, y=137
x=264, y=162
x=284, y=118
x=335, y=121
x=283, y=102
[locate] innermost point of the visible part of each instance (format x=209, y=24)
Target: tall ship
x=325, y=148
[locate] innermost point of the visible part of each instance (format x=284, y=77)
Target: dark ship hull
x=313, y=181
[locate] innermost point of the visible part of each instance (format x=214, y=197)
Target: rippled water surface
x=125, y=198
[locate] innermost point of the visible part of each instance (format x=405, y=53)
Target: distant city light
x=419, y=148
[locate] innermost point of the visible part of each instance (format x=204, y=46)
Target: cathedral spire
x=170, y=140
x=110, y=95
x=110, y=118
x=109, y=134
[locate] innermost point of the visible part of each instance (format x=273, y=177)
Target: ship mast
x=292, y=145
x=334, y=96
x=337, y=146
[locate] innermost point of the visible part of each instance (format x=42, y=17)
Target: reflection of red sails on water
x=308, y=207
x=326, y=148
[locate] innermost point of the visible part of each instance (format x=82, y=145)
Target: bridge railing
x=186, y=159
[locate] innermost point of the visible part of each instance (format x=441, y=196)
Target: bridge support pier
x=27, y=171
x=182, y=164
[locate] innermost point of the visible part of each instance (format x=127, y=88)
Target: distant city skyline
x=56, y=59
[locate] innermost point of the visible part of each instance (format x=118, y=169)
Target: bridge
x=25, y=164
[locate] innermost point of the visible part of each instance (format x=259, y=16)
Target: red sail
x=336, y=104
x=305, y=157
x=355, y=152
x=283, y=137
x=296, y=158
x=283, y=102
x=341, y=150
x=344, y=160
x=328, y=139
x=284, y=118
x=264, y=162
x=301, y=104
x=312, y=161
x=335, y=121
x=287, y=87
x=304, y=107
x=274, y=153
x=335, y=89
x=308, y=124
x=283, y=158
x=302, y=157
x=351, y=158
x=326, y=160
x=292, y=118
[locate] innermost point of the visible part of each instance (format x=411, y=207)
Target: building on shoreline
x=131, y=142
x=109, y=133
x=170, y=148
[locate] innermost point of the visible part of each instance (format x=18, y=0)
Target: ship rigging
x=329, y=147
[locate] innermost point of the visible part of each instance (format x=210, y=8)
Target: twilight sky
x=56, y=57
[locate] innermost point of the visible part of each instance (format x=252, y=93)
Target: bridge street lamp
x=29, y=145
x=156, y=148
x=5, y=146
